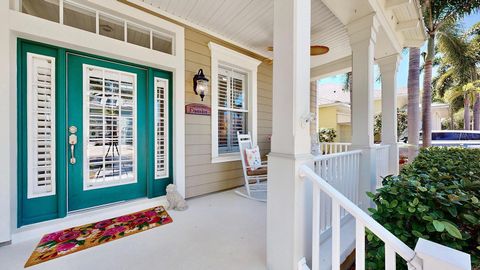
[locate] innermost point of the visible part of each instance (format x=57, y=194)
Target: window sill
x=226, y=158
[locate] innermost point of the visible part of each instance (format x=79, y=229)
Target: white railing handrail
x=337, y=143
x=381, y=146
x=376, y=228
x=334, y=155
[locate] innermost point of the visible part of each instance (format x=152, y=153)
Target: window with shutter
x=161, y=128
x=41, y=123
x=232, y=108
x=234, y=100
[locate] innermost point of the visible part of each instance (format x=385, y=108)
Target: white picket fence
x=341, y=170
x=382, y=157
x=333, y=148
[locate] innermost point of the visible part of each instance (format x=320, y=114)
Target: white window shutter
x=41, y=125
x=161, y=128
x=232, y=108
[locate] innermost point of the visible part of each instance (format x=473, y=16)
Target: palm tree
x=469, y=92
x=458, y=68
x=436, y=14
x=413, y=102
x=347, y=87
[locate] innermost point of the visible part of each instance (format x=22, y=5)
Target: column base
x=393, y=158
x=289, y=204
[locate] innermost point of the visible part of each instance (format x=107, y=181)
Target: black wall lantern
x=200, y=84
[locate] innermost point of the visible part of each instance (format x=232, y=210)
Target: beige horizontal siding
x=203, y=176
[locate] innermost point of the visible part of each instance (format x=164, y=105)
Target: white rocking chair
x=255, y=180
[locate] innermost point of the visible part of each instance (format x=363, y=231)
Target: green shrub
x=437, y=198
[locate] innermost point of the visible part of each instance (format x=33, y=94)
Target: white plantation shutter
x=161, y=128
x=232, y=108
x=41, y=125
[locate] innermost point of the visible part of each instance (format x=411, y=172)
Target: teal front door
x=107, y=133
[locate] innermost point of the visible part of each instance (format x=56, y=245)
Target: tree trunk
x=452, y=121
x=466, y=112
x=427, y=94
x=476, y=112
x=413, y=102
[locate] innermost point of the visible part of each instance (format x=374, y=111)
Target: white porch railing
x=382, y=157
x=341, y=170
x=392, y=244
x=427, y=255
x=332, y=148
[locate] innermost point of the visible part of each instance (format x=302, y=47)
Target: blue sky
x=403, y=67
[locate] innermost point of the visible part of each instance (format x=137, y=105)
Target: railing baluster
x=324, y=198
x=359, y=245
x=390, y=258
x=335, y=235
x=316, y=230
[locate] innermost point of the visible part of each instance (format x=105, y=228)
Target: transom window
x=71, y=13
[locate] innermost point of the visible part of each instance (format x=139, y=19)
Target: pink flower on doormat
x=167, y=219
x=114, y=231
x=125, y=218
x=103, y=224
x=150, y=213
x=51, y=237
x=68, y=235
x=154, y=219
x=139, y=221
x=63, y=247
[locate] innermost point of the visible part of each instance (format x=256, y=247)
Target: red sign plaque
x=197, y=109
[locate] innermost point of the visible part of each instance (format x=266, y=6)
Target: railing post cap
x=437, y=256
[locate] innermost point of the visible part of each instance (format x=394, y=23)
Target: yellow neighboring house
x=334, y=109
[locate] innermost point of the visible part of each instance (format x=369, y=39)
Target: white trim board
x=221, y=55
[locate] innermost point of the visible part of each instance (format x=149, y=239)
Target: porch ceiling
x=250, y=23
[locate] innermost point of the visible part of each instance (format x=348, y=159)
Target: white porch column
x=6, y=143
x=362, y=33
x=388, y=68
x=287, y=230
x=313, y=106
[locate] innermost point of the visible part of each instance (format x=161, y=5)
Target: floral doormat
x=71, y=240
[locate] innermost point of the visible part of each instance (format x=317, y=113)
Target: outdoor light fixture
x=200, y=84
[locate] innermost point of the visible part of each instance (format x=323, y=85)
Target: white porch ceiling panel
x=250, y=23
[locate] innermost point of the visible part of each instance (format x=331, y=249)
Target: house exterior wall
x=338, y=117
x=203, y=176
x=344, y=133
x=328, y=118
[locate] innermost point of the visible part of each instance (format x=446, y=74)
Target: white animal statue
x=175, y=200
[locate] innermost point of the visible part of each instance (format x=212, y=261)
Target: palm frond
x=453, y=93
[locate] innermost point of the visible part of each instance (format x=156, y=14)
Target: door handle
x=72, y=140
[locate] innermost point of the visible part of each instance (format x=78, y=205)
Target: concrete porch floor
x=218, y=231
